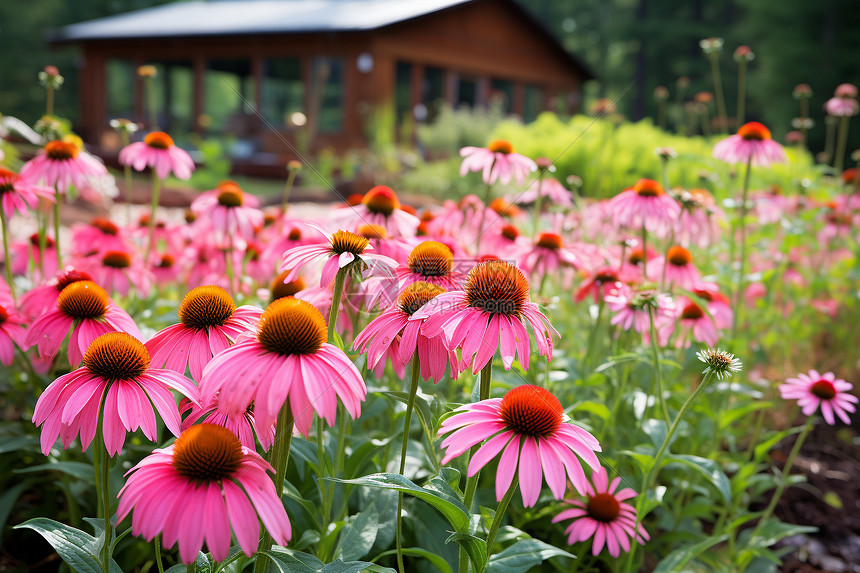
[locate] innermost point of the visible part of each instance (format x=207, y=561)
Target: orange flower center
x=421, y=230
x=158, y=140
x=603, y=507
x=549, y=241
x=292, y=326
x=703, y=294
x=105, y=226
x=381, y=199
x=166, y=262
x=116, y=259
x=280, y=289
x=83, y=299
x=692, y=311
x=823, y=389
x=497, y=287
x=71, y=276
x=348, y=242
x=606, y=276
x=206, y=306
x=431, y=259
x=295, y=234
x=354, y=199
x=207, y=453
x=754, y=131
x=532, y=410
x=7, y=180
x=231, y=198
x=190, y=216
x=679, y=256
x=373, y=231
x=502, y=207
x=61, y=150
x=648, y=188
x=510, y=232
x=502, y=146
x=417, y=295
x=116, y=356
x=637, y=255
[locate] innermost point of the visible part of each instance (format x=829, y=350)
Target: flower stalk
x=407, y=421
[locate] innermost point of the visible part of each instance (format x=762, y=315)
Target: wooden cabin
x=274, y=74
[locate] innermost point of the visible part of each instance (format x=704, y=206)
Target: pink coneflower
x=118, y=271
x=288, y=358
x=158, y=151
x=694, y=320
x=397, y=248
x=494, y=304
x=812, y=390
x=17, y=194
x=209, y=322
x=497, y=162
x=844, y=101
x=342, y=250
x=547, y=254
x=604, y=516
x=11, y=332
x=41, y=299
x=276, y=244
x=198, y=489
x=166, y=269
x=698, y=223
x=244, y=426
x=752, y=142
x=99, y=236
x=279, y=288
x=646, y=205
x=528, y=426
x=63, y=165
x=228, y=211
x=86, y=309
x=599, y=283
x=30, y=249
x=430, y=262
x=379, y=206
x=393, y=325
x=632, y=311
x=117, y=366
x=550, y=189
x=505, y=242
x=719, y=305
x=677, y=267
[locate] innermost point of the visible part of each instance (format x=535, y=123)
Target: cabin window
x=403, y=92
x=229, y=97
x=502, y=94
x=120, y=97
x=171, y=98
x=533, y=103
x=327, y=94
x=467, y=91
x=433, y=91
x=283, y=90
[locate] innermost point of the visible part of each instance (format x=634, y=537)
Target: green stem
x=658, y=369
x=804, y=115
x=592, y=337
x=288, y=187
x=739, y=286
x=56, y=233
x=487, y=194
x=150, y=100
x=157, y=543
x=538, y=203
x=841, y=143
x=279, y=455
x=105, y=495
x=407, y=421
x=742, y=90
x=7, y=261
x=156, y=193
x=830, y=135
x=339, y=281
x=229, y=260
x=500, y=514
x=644, y=253
x=49, y=99
x=43, y=239
x=126, y=139
x=651, y=475
x=661, y=115
x=718, y=90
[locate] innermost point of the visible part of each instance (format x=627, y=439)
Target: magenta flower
x=646, y=205
x=378, y=338
x=17, y=194
x=343, y=249
x=63, y=165
x=604, y=516
x=86, y=309
x=158, y=151
x=489, y=314
x=244, y=426
x=39, y=300
x=695, y=321
x=844, y=101
x=812, y=390
x=11, y=332
x=209, y=322
x=677, y=266
x=497, y=162
x=118, y=363
x=288, y=358
x=379, y=206
x=198, y=489
x=119, y=271
x=228, y=211
x=99, y=236
x=752, y=142
x=527, y=425
x=548, y=253
x=718, y=304
x=631, y=310
x=548, y=187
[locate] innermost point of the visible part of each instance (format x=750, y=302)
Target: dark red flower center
x=166, y=262
x=501, y=146
x=823, y=389
x=116, y=356
x=71, y=276
x=295, y=234
x=206, y=306
x=381, y=199
x=280, y=289
x=754, y=131
x=431, y=259
x=692, y=311
x=207, y=453
x=230, y=198
x=7, y=180
x=34, y=240
x=83, y=300
x=636, y=256
x=105, y=226
x=510, y=232
x=648, y=188
x=292, y=326
x=603, y=507
x=606, y=276
x=116, y=259
x=158, y=140
x=549, y=241
x=61, y=150
x=532, y=411
x=4, y=315
x=497, y=287
x=417, y=295
x=679, y=256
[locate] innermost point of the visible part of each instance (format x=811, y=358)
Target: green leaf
x=30, y=443
x=286, y=560
x=763, y=448
x=710, y=470
x=8, y=499
x=774, y=530
x=453, y=509
x=475, y=547
x=657, y=430
x=523, y=555
x=729, y=417
x=77, y=470
x=437, y=560
x=358, y=535
x=614, y=361
x=422, y=407
x=678, y=558
x=77, y=548
x=597, y=408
